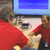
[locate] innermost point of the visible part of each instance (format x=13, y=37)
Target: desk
x=36, y=38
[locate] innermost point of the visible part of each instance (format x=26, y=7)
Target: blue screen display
x=32, y=7
x=33, y=4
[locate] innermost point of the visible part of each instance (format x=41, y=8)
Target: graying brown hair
x=5, y=13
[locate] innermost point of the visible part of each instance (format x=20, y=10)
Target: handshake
x=30, y=41
x=30, y=44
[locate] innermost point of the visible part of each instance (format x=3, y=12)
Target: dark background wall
x=6, y=4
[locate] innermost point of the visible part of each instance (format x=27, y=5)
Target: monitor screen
x=31, y=7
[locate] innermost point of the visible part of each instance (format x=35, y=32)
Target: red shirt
x=44, y=32
x=11, y=36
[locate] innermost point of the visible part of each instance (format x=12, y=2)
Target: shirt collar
x=3, y=21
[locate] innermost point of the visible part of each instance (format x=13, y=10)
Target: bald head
x=45, y=21
x=45, y=16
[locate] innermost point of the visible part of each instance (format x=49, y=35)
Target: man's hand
x=31, y=34
x=30, y=37
x=30, y=42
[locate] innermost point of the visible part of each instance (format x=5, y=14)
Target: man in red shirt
x=10, y=35
x=44, y=30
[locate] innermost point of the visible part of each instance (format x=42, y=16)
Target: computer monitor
x=31, y=7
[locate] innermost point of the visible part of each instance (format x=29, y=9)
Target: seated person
x=10, y=35
x=44, y=30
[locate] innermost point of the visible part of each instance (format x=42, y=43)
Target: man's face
x=45, y=22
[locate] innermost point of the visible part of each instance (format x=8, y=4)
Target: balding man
x=44, y=30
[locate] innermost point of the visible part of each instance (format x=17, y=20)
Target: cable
x=27, y=28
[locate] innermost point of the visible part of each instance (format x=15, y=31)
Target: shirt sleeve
x=22, y=40
x=37, y=30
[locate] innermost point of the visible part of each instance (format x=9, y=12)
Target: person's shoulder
x=13, y=28
x=40, y=25
x=15, y=31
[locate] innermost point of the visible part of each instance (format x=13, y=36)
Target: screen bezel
x=24, y=14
